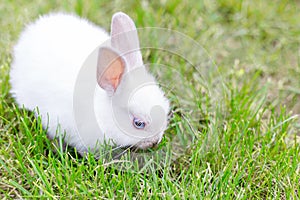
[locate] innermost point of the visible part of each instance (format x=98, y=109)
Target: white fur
x=46, y=62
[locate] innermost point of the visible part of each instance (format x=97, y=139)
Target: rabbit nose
x=155, y=144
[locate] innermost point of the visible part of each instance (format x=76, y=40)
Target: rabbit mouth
x=146, y=145
x=149, y=143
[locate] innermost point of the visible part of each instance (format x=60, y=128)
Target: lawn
x=234, y=87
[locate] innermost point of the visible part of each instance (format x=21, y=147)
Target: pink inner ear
x=112, y=75
x=110, y=69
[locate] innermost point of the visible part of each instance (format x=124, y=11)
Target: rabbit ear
x=110, y=69
x=124, y=38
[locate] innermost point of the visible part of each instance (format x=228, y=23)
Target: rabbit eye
x=139, y=124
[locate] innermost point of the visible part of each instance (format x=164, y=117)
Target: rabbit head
x=139, y=108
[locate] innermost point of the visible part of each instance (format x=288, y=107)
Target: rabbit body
x=46, y=62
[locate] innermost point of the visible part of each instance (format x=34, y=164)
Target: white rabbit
x=129, y=108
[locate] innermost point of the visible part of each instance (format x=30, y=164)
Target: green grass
x=245, y=139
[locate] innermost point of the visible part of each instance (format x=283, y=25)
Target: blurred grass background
x=255, y=45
